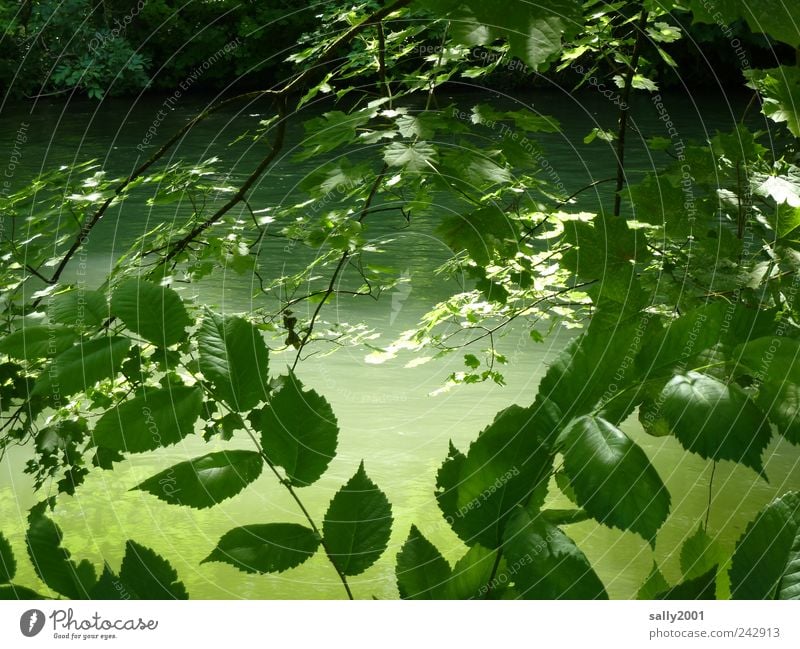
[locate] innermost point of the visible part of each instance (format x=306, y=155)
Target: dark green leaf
x=207, y=480
x=298, y=431
x=702, y=587
x=154, y=312
x=699, y=554
x=654, y=585
x=81, y=366
x=482, y=233
x=471, y=575
x=12, y=591
x=52, y=562
x=273, y=547
x=233, y=357
x=357, y=525
x=714, y=420
x=30, y=343
x=422, y=572
x=613, y=479
x=155, y=419
x=79, y=308
x=8, y=565
x=508, y=463
x=546, y=563
x=147, y=575
x=766, y=563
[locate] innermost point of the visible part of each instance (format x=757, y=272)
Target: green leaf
x=298, y=431
x=482, y=233
x=81, y=366
x=654, y=585
x=357, y=525
x=147, y=575
x=777, y=18
x=581, y=377
x=422, y=572
x=533, y=30
x=207, y=480
x=699, y=554
x=8, y=565
x=507, y=466
x=330, y=131
x=52, y=562
x=702, y=587
x=774, y=362
x=30, y=343
x=155, y=419
x=766, y=562
x=546, y=563
x=273, y=547
x=412, y=156
x=613, y=479
x=605, y=250
x=154, y=312
x=233, y=357
x=714, y=420
x=471, y=575
x=79, y=308
x=12, y=591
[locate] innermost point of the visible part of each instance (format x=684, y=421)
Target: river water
x=387, y=413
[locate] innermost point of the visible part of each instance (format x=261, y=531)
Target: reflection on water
x=385, y=412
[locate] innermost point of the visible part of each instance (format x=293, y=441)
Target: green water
x=386, y=412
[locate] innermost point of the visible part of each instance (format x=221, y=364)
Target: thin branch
x=623, y=111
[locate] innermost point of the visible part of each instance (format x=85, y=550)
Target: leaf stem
x=302, y=507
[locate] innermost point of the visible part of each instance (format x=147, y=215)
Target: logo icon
x=31, y=622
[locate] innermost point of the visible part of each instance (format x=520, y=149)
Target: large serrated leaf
x=147, y=575
x=155, y=419
x=154, y=312
x=298, y=431
x=207, y=480
x=546, y=563
x=52, y=562
x=613, y=479
x=715, y=420
x=79, y=308
x=30, y=343
x=421, y=570
x=81, y=366
x=503, y=469
x=357, y=525
x=272, y=547
x=8, y=565
x=233, y=357
x=766, y=562
x=699, y=554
